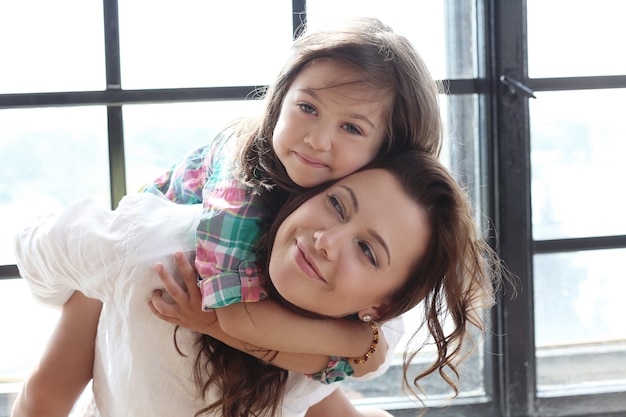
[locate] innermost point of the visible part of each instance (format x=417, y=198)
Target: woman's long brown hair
x=460, y=277
x=454, y=280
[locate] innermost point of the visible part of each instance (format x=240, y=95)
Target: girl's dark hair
x=388, y=63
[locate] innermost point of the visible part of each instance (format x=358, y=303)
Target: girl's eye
x=336, y=204
x=307, y=108
x=352, y=129
x=368, y=252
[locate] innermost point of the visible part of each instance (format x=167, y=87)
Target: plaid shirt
x=229, y=227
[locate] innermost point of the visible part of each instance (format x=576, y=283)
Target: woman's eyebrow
x=375, y=235
x=382, y=243
x=350, y=191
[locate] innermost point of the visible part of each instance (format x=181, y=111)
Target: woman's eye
x=368, y=252
x=307, y=108
x=352, y=129
x=336, y=204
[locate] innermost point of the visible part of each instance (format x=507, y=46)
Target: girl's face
x=331, y=123
x=348, y=249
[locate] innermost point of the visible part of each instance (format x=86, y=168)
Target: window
x=558, y=200
x=97, y=105
x=576, y=143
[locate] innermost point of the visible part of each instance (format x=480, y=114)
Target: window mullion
x=115, y=124
x=513, y=221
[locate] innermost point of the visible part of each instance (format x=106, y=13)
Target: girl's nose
x=319, y=140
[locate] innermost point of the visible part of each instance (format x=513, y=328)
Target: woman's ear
x=374, y=312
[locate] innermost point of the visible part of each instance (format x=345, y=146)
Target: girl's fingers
x=171, y=286
x=163, y=310
x=158, y=313
x=190, y=277
x=186, y=269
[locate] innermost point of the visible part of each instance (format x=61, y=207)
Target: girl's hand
x=185, y=307
x=185, y=310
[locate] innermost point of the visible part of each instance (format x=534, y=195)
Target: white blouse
x=110, y=255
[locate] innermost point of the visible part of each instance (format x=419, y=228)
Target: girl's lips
x=310, y=161
x=305, y=265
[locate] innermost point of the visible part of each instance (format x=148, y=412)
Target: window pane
x=45, y=47
x=577, y=155
x=579, y=319
x=576, y=38
x=461, y=151
x=49, y=158
x=422, y=22
x=157, y=135
x=197, y=43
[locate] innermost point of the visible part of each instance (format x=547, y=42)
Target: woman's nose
x=328, y=242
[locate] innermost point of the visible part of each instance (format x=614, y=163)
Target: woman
x=360, y=224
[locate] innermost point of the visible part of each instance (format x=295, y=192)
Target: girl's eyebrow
x=312, y=93
x=375, y=235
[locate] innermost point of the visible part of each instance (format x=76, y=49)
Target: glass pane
x=422, y=22
x=202, y=43
x=461, y=151
x=157, y=135
x=576, y=38
x=579, y=319
x=45, y=48
x=577, y=156
x=49, y=158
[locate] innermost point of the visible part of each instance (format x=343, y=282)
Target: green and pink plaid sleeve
x=229, y=226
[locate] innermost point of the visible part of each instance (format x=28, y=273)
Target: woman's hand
x=185, y=307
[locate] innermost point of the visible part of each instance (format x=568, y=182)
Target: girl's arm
x=263, y=323
x=66, y=365
x=268, y=325
x=297, y=362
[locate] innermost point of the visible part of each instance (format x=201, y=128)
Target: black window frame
x=504, y=127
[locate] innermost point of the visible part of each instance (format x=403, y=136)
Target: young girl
x=345, y=97
x=424, y=250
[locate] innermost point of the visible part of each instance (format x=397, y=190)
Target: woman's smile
x=303, y=261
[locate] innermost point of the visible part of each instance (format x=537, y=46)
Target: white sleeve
x=73, y=251
x=303, y=392
x=393, y=331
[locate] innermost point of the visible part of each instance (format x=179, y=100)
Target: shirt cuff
x=232, y=287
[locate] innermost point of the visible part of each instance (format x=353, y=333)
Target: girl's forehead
x=342, y=79
x=332, y=71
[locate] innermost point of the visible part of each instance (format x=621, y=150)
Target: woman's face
x=348, y=249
